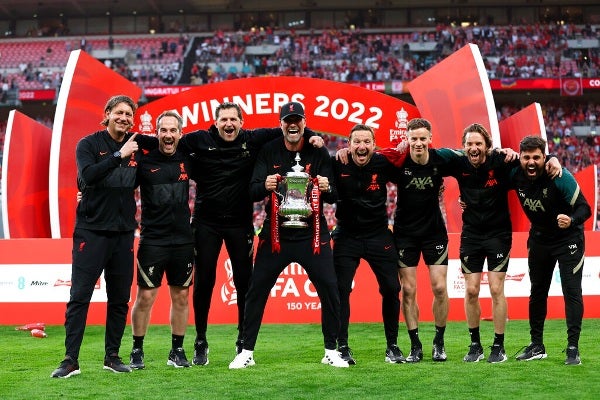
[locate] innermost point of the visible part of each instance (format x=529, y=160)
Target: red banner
x=25, y=178
x=388, y=87
x=330, y=107
x=37, y=95
x=36, y=281
x=86, y=87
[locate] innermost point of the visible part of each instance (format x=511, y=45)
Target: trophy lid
x=298, y=170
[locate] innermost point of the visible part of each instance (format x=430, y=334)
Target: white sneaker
x=243, y=360
x=334, y=358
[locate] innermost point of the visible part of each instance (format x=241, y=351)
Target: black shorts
x=474, y=250
x=434, y=250
x=155, y=261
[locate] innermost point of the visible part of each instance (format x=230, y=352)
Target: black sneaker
x=572, y=356
x=393, y=354
x=475, y=353
x=66, y=369
x=200, y=353
x=416, y=355
x=136, y=358
x=239, y=346
x=178, y=359
x=346, y=354
x=533, y=351
x=113, y=363
x=438, y=352
x=497, y=354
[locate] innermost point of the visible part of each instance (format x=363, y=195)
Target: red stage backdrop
x=36, y=279
x=86, y=87
x=24, y=202
x=330, y=107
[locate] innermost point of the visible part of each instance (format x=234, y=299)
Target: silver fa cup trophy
x=294, y=206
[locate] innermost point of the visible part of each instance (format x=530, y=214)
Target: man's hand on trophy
x=271, y=182
x=324, y=184
x=316, y=141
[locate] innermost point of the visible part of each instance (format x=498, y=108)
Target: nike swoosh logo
x=345, y=175
x=573, y=251
x=212, y=148
x=154, y=169
x=103, y=153
x=387, y=247
x=276, y=166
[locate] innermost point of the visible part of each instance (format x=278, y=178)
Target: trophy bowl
x=294, y=206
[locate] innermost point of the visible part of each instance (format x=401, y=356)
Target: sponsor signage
x=391, y=87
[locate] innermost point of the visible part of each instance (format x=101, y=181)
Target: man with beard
x=166, y=244
x=279, y=245
x=222, y=162
x=362, y=232
x=557, y=211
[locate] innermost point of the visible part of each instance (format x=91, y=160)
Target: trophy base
x=294, y=223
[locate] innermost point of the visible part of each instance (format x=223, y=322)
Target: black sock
x=138, y=342
x=499, y=339
x=439, y=335
x=176, y=341
x=413, y=334
x=474, y=332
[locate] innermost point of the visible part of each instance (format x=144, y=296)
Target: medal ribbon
x=275, y=242
x=315, y=197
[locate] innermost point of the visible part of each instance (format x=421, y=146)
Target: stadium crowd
x=524, y=51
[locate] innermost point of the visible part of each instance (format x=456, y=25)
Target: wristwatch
x=117, y=154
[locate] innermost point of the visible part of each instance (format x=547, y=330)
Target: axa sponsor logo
x=533, y=205
x=420, y=183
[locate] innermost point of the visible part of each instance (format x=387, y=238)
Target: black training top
x=484, y=190
x=418, y=211
x=362, y=195
x=544, y=198
x=107, y=184
x=164, y=189
x=222, y=172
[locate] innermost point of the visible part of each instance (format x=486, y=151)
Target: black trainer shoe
x=200, y=353
x=136, y=358
x=346, y=354
x=416, y=355
x=239, y=346
x=113, y=363
x=533, y=351
x=497, y=354
x=438, y=352
x=178, y=359
x=475, y=353
x=393, y=354
x=66, y=369
x=572, y=356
